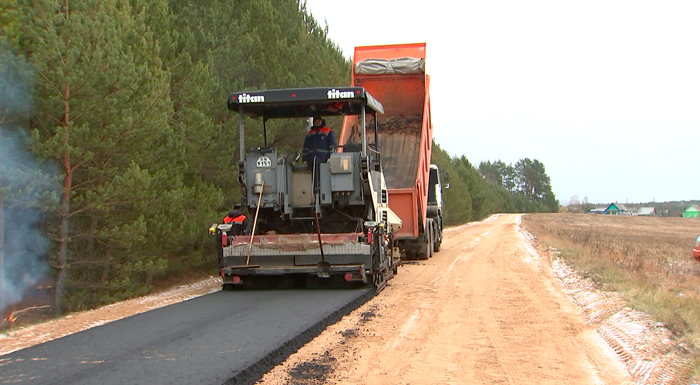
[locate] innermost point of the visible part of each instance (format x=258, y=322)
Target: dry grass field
x=646, y=259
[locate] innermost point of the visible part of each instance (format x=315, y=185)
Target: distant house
x=616, y=209
x=647, y=211
x=598, y=210
x=692, y=212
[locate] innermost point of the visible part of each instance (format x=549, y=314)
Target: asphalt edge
x=255, y=371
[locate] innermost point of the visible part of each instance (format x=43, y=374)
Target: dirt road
x=484, y=310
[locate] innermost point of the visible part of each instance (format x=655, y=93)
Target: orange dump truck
x=395, y=74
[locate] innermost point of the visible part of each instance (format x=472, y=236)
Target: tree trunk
x=2, y=238
x=105, y=274
x=65, y=209
x=149, y=277
x=2, y=252
x=92, y=234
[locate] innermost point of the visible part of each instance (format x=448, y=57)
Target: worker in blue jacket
x=319, y=142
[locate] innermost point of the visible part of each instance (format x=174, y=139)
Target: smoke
x=23, y=247
x=15, y=81
x=24, y=253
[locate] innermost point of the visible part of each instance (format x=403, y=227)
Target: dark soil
x=314, y=372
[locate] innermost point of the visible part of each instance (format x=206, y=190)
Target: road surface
x=213, y=339
x=484, y=310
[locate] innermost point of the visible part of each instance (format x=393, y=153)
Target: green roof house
x=616, y=209
x=692, y=212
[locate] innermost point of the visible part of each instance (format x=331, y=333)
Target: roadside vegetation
x=645, y=259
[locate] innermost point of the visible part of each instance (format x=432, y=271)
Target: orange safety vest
x=319, y=130
x=238, y=220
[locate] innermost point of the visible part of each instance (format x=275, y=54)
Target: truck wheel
x=426, y=251
x=436, y=246
x=438, y=239
x=431, y=238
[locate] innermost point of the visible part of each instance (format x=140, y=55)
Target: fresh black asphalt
x=223, y=337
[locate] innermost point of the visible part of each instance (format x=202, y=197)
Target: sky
x=606, y=94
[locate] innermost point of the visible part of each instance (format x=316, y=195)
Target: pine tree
x=457, y=204
x=103, y=108
x=534, y=183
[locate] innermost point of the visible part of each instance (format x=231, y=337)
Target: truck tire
x=431, y=237
x=427, y=247
x=431, y=244
x=438, y=237
x=436, y=246
x=424, y=253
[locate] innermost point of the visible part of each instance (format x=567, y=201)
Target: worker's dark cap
x=232, y=213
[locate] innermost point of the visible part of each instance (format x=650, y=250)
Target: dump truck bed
x=395, y=74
